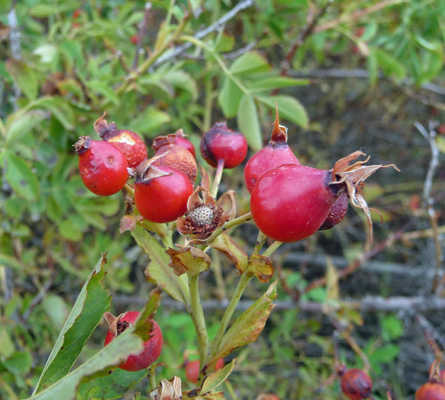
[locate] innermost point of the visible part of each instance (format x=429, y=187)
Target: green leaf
x=248, y=326
x=275, y=82
x=21, y=178
x=250, y=63
x=195, y=5
x=58, y=107
x=148, y=122
x=289, y=108
x=390, y=65
x=434, y=47
x=159, y=271
x=112, y=386
x=12, y=262
x=216, y=378
x=248, y=123
x=105, y=90
x=73, y=52
x=229, y=98
x=372, y=65
x=85, y=315
x=24, y=77
x=114, y=354
x=182, y=80
x=19, y=363
x=45, y=10
x=190, y=260
x=19, y=127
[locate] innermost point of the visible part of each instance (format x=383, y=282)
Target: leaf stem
x=217, y=179
x=242, y=284
x=197, y=315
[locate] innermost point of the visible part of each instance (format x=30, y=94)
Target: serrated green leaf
x=289, y=108
x=24, y=77
x=85, y=315
x=248, y=122
x=248, y=326
x=21, y=178
x=229, y=98
x=250, y=63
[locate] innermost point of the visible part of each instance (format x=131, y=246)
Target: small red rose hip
x=161, y=193
x=221, y=144
x=431, y=391
x=356, y=384
x=192, y=369
x=103, y=167
x=275, y=154
x=182, y=141
x=152, y=347
x=130, y=143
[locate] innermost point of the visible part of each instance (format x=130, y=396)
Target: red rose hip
x=192, y=369
x=152, y=347
x=103, y=167
x=221, y=144
x=356, y=384
x=431, y=391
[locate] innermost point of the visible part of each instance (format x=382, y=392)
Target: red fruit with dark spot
x=431, y=391
x=152, y=347
x=192, y=369
x=336, y=213
x=161, y=193
x=356, y=384
x=223, y=144
x=103, y=167
x=130, y=143
x=275, y=154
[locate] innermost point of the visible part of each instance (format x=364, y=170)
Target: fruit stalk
x=217, y=179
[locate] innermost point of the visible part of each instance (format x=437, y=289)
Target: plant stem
x=229, y=224
x=152, y=379
x=269, y=251
x=198, y=319
x=217, y=179
x=242, y=284
x=261, y=238
x=129, y=190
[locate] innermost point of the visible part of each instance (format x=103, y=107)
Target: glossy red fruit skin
x=431, y=391
x=152, y=347
x=163, y=199
x=289, y=203
x=222, y=143
x=336, y=213
x=131, y=144
x=103, y=167
x=192, y=369
x=356, y=384
x=265, y=160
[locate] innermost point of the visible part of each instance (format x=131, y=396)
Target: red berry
x=134, y=39
x=152, y=347
x=130, y=143
x=222, y=143
x=431, y=391
x=103, y=167
x=289, y=203
x=275, y=154
x=178, y=158
x=192, y=369
x=161, y=192
x=356, y=384
x=336, y=213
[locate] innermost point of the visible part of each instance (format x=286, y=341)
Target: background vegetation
x=347, y=75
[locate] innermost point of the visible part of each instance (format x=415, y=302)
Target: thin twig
x=141, y=34
x=204, y=32
x=431, y=335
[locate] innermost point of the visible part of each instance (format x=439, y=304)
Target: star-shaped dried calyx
x=352, y=178
x=115, y=325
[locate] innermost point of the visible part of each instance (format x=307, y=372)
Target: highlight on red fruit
x=192, y=369
x=130, y=143
x=103, y=167
x=356, y=384
x=275, y=154
x=152, y=347
x=221, y=144
x=161, y=193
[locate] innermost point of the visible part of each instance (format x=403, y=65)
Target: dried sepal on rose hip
x=152, y=347
x=130, y=143
x=223, y=145
x=178, y=138
x=103, y=167
x=276, y=153
x=161, y=193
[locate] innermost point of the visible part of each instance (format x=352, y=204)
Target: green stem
x=231, y=390
x=268, y=252
x=198, y=319
x=229, y=224
x=152, y=379
x=217, y=179
x=129, y=190
x=261, y=239
x=242, y=284
x=208, y=101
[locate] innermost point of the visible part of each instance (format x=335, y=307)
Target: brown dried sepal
x=104, y=129
x=353, y=176
x=279, y=132
x=261, y=267
x=168, y=390
x=188, y=260
x=160, y=141
x=146, y=170
x=115, y=325
x=232, y=250
x=128, y=222
x=82, y=145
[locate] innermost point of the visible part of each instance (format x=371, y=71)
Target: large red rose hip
x=356, y=384
x=152, y=347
